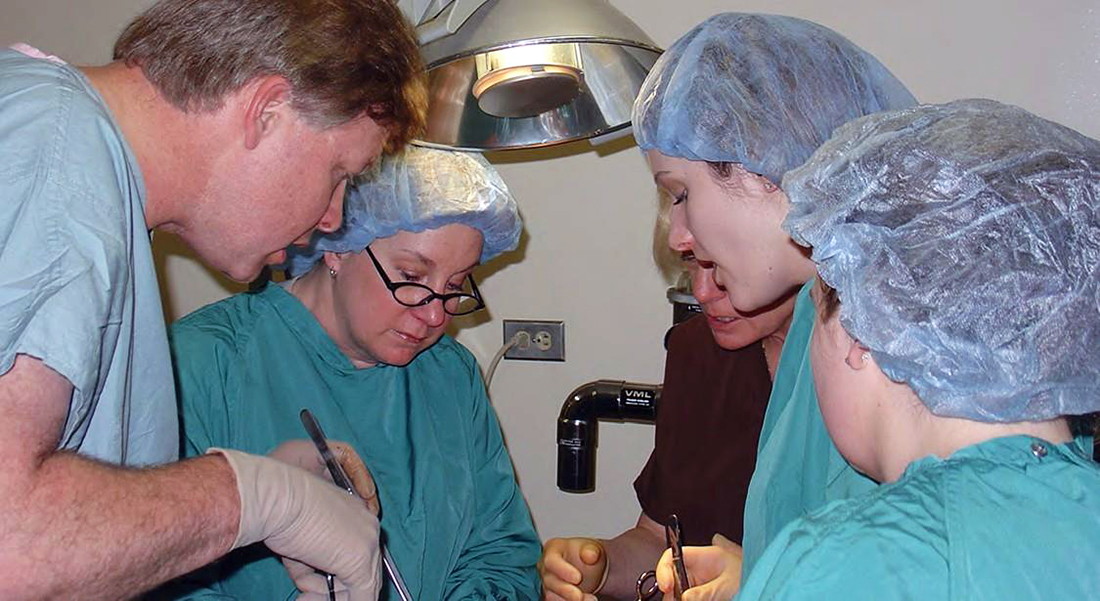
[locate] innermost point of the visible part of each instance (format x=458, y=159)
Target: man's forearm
x=75, y=528
x=629, y=554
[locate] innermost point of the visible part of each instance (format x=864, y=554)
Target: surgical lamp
x=506, y=74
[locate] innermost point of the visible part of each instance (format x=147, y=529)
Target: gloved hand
x=303, y=453
x=572, y=569
x=300, y=516
x=714, y=572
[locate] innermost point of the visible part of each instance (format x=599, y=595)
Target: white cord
x=522, y=339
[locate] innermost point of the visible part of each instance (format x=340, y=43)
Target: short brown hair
x=830, y=302
x=343, y=58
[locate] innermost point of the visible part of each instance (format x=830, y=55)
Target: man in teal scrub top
x=358, y=339
x=205, y=101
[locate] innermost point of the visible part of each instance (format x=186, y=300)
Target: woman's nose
x=679, y=236
x=432, y=314
x=703, y=286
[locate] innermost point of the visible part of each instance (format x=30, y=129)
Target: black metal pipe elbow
x=578, y=425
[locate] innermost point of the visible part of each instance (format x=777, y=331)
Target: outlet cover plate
x=556, y=329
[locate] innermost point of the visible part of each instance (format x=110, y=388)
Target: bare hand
x=572, y=568
x=714, y=572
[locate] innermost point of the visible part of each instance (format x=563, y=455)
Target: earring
x=332, y=272
x=864, y=358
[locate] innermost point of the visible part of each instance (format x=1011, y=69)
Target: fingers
x=332, y=531
x=716, y=590
x=590, y=553
x=308, y=580
x=720, y=541
x=664, y=572
x=357, y=471
x=340, y=596
x=571, y=568
x=297, y=515
x=555, y=589
x=301, y=574
x=304, y=454
x=555, y=561
x=313, y=583
x=300, y=453
x=714, y=571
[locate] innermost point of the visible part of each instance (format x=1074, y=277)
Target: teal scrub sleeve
x=204, y=418
x=200, y=363
x=499, y=559
x=832, y=555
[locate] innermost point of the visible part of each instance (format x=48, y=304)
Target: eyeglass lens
x=415, y=295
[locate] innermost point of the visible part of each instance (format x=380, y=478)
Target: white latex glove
x=714, y=572
x=572, y=569
x=303, y=453
x=300, y=516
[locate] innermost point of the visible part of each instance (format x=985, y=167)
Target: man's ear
x=266, y=104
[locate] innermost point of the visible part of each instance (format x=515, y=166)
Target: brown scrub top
x=708, y=424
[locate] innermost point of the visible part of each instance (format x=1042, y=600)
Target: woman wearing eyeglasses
x=358, y=339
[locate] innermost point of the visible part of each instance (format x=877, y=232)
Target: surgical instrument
x=341, y=479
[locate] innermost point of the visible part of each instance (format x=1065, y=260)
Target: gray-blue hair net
x=963, y=241
x=760, y=90
x=420, y=189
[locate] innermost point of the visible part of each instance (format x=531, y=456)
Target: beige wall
x=586, y=258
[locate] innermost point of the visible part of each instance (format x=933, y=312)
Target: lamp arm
x=448, y=21
x=419, y=11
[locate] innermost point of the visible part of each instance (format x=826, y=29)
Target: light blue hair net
x=964, y=243
x=420, y=189
x=760, y=90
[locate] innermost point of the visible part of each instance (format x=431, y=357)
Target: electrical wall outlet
x=545, y=340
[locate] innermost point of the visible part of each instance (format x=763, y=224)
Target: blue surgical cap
x=760, y=90
x=421, y=189
x=963, y=241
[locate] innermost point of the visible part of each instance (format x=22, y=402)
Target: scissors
x=341, y=479
x=674, y=539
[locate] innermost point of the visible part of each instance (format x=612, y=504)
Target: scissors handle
x=645, y=593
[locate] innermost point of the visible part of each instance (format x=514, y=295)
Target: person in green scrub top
x=727, y=110
x=358, y=339
x=958, y=250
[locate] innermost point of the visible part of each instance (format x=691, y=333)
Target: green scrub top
x=798, y=469
x=1008, y=518
x=453, y=516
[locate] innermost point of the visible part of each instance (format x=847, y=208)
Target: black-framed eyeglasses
x=412, y=294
